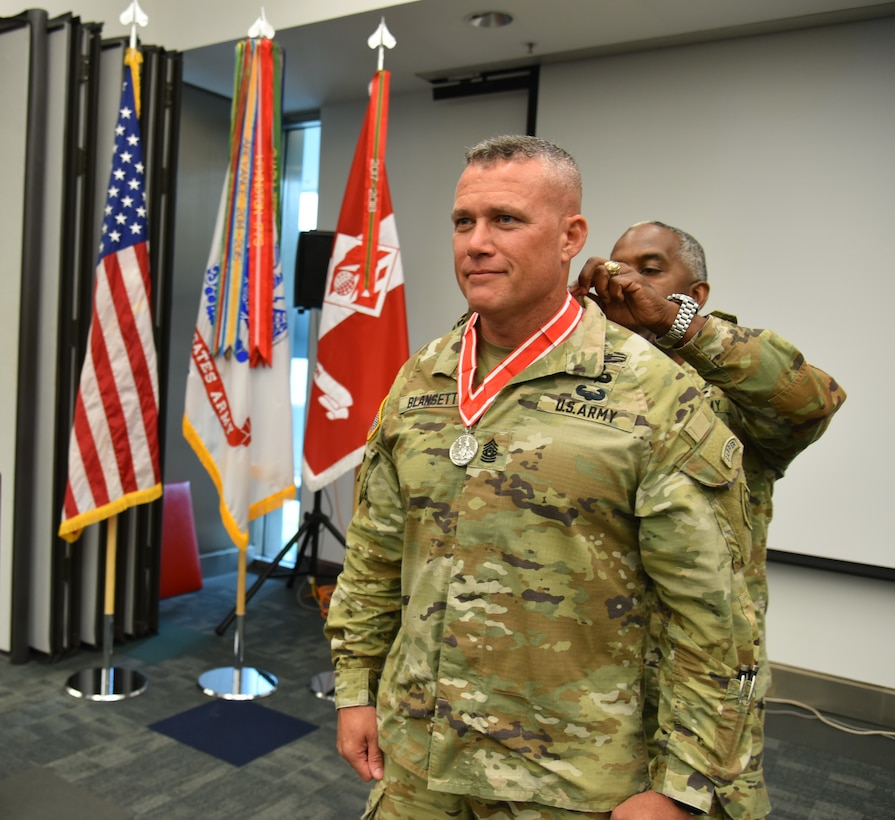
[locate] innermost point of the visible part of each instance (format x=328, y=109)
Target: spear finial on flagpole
x=262, y=28
x=382, y=39
x=134, y=16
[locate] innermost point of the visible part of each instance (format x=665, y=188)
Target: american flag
x=113, y=457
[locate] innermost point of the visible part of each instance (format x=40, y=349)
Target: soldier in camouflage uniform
x=493, y=607
x=757, y=382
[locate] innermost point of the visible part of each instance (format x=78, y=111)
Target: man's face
x=653, y=252
x=512, y=243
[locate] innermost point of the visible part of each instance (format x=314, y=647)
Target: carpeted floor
x=833, y=778
x=173, y=752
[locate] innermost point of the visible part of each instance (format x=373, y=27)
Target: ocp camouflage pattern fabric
x=762, y=387
x=497, y=614
x=777, y=403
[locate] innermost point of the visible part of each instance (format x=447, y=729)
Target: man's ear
x=700, y=292
x=575, y=236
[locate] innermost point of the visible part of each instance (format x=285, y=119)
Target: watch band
x=689, y=307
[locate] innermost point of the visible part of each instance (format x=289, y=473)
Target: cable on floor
x=321, y=594
x=815, y=714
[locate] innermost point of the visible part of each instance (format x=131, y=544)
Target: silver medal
x=463, y=450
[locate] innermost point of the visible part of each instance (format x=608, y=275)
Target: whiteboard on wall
x=776, y=152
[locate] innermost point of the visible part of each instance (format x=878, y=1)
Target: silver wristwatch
x=689, y=307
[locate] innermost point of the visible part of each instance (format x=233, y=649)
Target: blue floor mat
x=237, y=732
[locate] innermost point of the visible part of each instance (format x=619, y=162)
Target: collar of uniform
x=582, y=354
x=727, y=317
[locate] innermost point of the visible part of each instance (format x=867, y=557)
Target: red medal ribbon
x=474, y=402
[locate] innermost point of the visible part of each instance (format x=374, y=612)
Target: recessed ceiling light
x=490, y=19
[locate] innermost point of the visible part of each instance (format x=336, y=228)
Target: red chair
x=181, y=572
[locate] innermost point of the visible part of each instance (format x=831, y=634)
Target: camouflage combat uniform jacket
x=495, y=613
x=761, y=387
x=777, y=403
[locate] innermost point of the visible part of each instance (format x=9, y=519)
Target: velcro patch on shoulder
x=716, y=457
x=377, y=420
x=698, y=427
x=731, y=447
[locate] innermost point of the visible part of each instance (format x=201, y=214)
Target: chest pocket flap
x=716, y=459
x=716, y=463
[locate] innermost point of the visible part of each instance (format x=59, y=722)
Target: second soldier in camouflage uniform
x=493, y=607
x=758, y=383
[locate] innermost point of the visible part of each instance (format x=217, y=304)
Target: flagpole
x=363, y=305
x=107, y=683
x=363, y=208
x=254, y=124
x=238, y=682
x=113, y=450
x=381, y=39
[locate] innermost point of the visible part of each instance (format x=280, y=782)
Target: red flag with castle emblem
x=362, y=340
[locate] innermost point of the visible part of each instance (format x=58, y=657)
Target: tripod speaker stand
x=307, y=533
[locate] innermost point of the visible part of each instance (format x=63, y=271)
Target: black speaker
x=311, y=265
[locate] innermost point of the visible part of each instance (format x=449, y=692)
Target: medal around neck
x=463, y=450
x=473, y=402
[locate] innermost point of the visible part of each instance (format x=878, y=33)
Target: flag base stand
x=106, y=682
x=238, y=682
x=322, y=684
x=112, y=683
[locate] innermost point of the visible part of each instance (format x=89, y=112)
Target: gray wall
x=776, y=152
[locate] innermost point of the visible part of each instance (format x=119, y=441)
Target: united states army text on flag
x=113, y=457
x=362, y=340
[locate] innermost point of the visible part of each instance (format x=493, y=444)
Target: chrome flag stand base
x=237, y=682
x=113, y=683
x=107, y=682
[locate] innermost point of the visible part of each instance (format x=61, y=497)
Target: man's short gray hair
x=521, y=146
x=690, y=251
